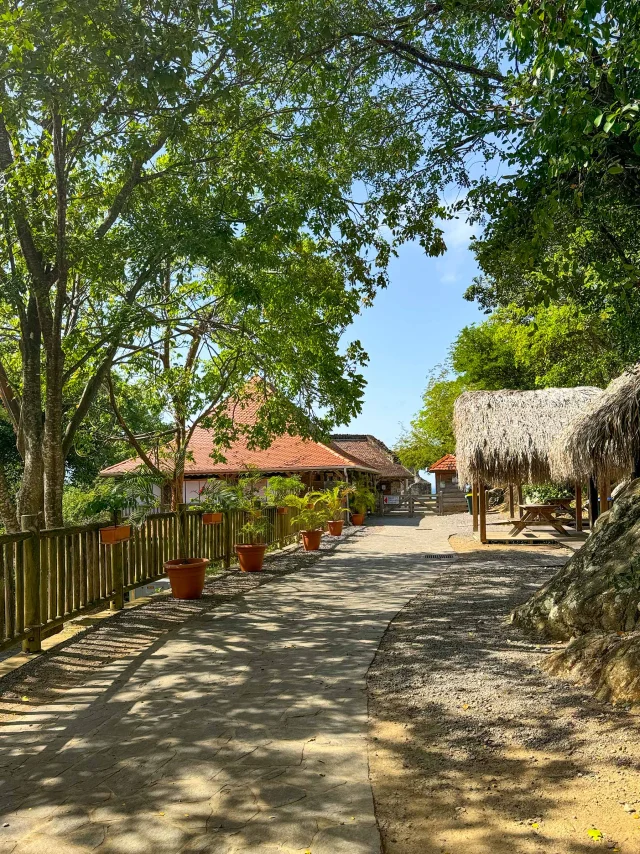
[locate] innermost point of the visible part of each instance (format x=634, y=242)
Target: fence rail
x=48, y=577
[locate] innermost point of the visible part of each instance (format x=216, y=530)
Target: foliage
x=362, y=498
x=541, y=493
x=334, y=499
x=133, y=491
x=312, y=511
x=430, y=435
x=279, y=487
x=257, y=526
x=217, y=496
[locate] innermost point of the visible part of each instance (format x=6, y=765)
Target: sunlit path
x=242, y=731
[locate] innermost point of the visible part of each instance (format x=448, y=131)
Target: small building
x=445, y=471
x=392, y=477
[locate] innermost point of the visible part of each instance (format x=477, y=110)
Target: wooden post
x=604, y=494
x=520, y=501
x=182, y=530
x=593, y=503
x=227, y=539
x=31, y=563
x=117, y=600
x=483, y=512
x=474, y=503
x=511, y=503
x=411, y=505
x=578, y=506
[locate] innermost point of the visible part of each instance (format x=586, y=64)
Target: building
x=319, y=464
x=445, y=471
x=392, y=477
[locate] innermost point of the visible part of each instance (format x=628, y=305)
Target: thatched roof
x=505, y=436
x=605, y=438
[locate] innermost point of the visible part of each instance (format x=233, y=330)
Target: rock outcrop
x=595, y=590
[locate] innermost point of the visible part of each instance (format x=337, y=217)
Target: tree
x=135, y=135
x=430, y=435
x=283, y=324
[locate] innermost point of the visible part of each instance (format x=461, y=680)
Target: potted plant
x=311, y=518
x=133, y=492
x=251, y=554
x=215, y=497
x=279, y=487
x=362, y=499
x=334, y=501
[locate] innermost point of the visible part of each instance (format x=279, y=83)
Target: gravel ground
x=473, y=749
x=128, y=633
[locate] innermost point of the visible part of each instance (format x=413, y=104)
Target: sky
x=409, y=329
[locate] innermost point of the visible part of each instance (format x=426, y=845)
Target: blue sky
x=409, y=329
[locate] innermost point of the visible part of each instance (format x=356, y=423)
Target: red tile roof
x=372, y=452
x=446, y=463
x=286, y=453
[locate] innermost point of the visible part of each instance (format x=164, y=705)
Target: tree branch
x=146, y=459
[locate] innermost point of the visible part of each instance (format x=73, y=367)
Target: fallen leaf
x=535, y=825
x=465, y=706
x=24, y=699
x=594, y=833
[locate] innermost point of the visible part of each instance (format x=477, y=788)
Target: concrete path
x=243, y=731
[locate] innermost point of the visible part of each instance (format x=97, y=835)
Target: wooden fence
x=48, y=577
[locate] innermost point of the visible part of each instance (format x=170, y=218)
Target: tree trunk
x=29, y=440
x=8, y=514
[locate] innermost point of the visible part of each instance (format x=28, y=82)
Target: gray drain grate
x=447, y=556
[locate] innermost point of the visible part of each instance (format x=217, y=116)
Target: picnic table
x=537, y=514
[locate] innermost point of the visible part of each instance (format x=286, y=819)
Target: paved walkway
x=243, y=731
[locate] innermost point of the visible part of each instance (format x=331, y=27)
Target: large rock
x=592, y=592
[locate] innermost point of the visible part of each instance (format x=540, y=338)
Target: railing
x=51, y=576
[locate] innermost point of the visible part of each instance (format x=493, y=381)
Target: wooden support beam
x=520, y=500
x=594, y=510
x=483, y=512
x=604, y=493
x=511, y=502
x=474, y=504
x=578, y=506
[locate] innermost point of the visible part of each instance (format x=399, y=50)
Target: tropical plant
x=312, y=511
x=334, y=499
x=133, y=491
x=279, y=487
x=257, y=526
x=216, y=496
x=362, y=498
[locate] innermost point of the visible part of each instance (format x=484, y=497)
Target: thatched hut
x=603, y=442
x=506, y=436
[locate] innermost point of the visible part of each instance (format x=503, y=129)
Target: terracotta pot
x=282, y=511
x=124, y=532
x=250, y=557
x=335, y=527
x=111, y=535
x=186, y=575
x=211, y=518
x=311, y=540
x=357, y=518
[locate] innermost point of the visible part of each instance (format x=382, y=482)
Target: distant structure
x=392, y=477
x=450, y=496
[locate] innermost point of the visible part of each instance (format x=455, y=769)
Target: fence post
x=227, y=539
x=411, y=509
x=31, y=559
x=182, y=530
x=117, y=601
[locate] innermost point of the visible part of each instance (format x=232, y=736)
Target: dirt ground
x=473, y=749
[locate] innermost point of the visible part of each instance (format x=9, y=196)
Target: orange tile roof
x=446, y=463
x=372, y=452
x=285, y=453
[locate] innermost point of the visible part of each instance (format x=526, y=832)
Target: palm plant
x=334, y=499
x=279, y=487
x=363, y=498
x=312, y=511
x=216, y=496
